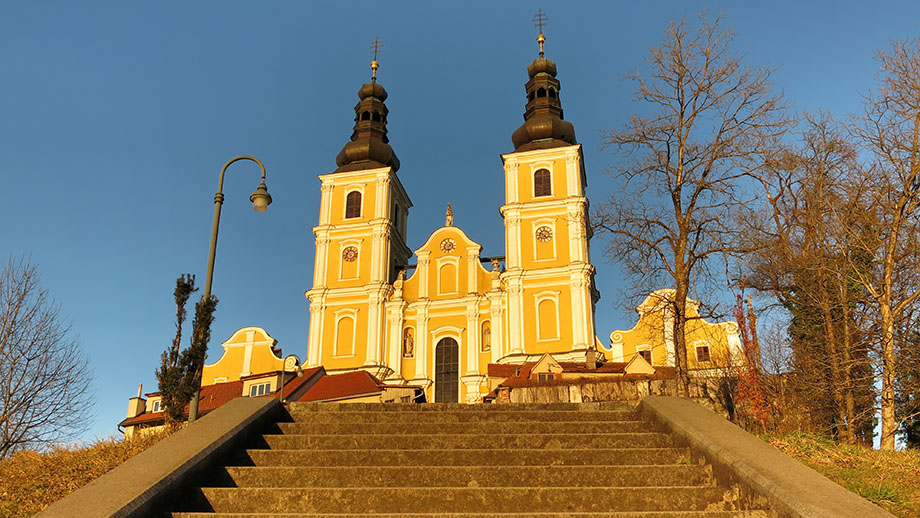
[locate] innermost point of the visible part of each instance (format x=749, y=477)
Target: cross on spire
x=539, y=21
x=375, y=46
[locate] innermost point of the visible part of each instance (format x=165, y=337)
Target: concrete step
x=468, y=441
x=627, y=514
x=484, y=427
x=469, y=476
x=307, y=416
x=464, y=500
x=461, y=407
x=470, y=457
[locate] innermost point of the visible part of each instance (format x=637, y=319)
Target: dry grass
x=30, y=481
x=890, y=479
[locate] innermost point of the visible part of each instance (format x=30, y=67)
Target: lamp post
x=260, y=200
x=290, y=362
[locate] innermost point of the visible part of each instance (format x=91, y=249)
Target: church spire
x=543, y=126
x=369, y=146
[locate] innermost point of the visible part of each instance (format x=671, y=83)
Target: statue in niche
x=408, y=344
x=486, y=337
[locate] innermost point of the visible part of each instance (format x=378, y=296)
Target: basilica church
x=436, y=317
x=443, y=323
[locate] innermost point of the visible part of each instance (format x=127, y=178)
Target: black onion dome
x=369, y=147
x=544, y=125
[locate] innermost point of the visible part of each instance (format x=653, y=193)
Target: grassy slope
x=890, y=479
x=31, y=481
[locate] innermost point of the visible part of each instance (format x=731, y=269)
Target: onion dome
x=369, y=147
x=544, y=125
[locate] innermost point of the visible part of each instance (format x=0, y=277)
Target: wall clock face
x=544, y=234
x=350, y=253
x=448, y=245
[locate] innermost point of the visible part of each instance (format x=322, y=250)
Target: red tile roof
x=213, y=396
x=342, y=386
x=508, y=370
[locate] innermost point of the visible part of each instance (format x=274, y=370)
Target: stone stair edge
x=757, y=513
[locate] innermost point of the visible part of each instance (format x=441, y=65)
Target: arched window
x=353, y=205
x=552, y=93
x=541, y=183
x=541, y=92
x=365, y=115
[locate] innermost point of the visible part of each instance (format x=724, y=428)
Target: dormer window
x=157, y=406
x=646, y=355
x=353, y=205
x=541, y=183
x=260, y=390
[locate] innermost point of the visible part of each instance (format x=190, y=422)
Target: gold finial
x=539, y=20
x=376, y=45
x=449, y=217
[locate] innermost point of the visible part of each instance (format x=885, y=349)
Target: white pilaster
x=495, y=310
x=315, y=346
x=422, y=343
x=515, y=315
x=422, y=271
x=394, y=338
x=472, y=336
x=325, y=204
x=512, y=237
x=511, y=181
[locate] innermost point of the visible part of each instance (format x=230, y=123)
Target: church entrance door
x=447, y=371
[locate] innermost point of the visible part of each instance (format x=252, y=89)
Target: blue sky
x=115, y=118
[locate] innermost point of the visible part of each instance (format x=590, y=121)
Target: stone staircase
x=458, y=461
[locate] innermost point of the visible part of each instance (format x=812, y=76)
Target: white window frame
x=536, y=166
x=260, y=389
x=540, y=297
x=339, y=315
x=348, y=189
x=439, y=263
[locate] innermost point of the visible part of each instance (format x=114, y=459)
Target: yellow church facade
x=437, y=316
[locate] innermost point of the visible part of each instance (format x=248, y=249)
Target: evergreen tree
x=179, y=375
x=171, y=376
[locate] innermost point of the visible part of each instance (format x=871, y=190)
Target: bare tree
x=683, y=165
x=44, y=374
x=806, y=255
x=890, y=132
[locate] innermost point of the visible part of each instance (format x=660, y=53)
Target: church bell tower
x=360, y=243
x=549, y=276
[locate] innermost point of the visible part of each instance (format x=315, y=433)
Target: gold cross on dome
x=539, y=21
x=375, y=46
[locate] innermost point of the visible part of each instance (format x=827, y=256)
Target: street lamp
x=291, y=362
x=260, y=200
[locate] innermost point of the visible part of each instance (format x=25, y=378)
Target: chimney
x=137, y=405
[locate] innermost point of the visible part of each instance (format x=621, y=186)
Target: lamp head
x=260, y=198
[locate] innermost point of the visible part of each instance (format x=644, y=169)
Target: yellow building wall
x=559, y=296
x=252, y=342
x=653, y=329
x=337, y=354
